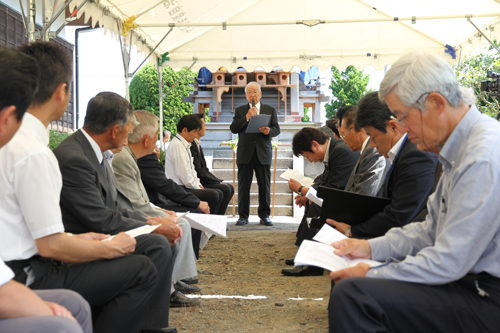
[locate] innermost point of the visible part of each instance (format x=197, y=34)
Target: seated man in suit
x=142, y=142
x=91, y=202
x=207, y=179
x=32, y=238
x=23, y=310
x=179, y=165
x=368, y=174
x=339, y=162
x=442, y=274
x=409, y=180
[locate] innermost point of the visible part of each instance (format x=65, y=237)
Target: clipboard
x=347, y=207
x=258, y=121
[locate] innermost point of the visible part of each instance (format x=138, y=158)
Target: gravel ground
x=249, y=262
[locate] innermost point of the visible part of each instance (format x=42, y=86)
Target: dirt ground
x=249, y=262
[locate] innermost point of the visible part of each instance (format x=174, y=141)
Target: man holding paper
x=442, y=274
x=254, y=153
x=339, y=162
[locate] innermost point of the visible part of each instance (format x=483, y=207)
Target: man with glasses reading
x=408, y=180
x=442, y=274
x=368, y=173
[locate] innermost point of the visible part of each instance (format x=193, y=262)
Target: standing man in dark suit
x=254, y=153
x=409, y=180
x=207, y=179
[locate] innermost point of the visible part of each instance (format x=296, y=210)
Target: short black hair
x=342, y=110
x=350, y=117
x=56, y=67
x=331, y=123
x=107, y=109
x=302, y=140
x=372, y=112
x=190, y=122
x=19, y=74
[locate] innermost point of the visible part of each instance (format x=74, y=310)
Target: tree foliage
x=55, y=138
x=472, y=70
x=144, y=94
x=347, y=87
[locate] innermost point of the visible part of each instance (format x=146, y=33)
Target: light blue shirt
x=461, y=233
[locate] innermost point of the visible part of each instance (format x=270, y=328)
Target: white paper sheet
x=312, y=195
x=317, y=254
x=146, y=229
x=298, y=176
x=211, y=224
x=328, y=235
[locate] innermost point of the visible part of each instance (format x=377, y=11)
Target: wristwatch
x=300, y=191
x=348, y=232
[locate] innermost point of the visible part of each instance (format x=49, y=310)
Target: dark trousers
x=245, y=175
x=304, y=232
x=227, y=191
x=212, y=196
x=379, y=305
x=124, y=290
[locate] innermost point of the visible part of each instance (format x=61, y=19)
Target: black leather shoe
x=169, y=329
x=242, y=221
x=192, y=280
x=179, y=300
x=186, y=288
x=266, y=221
x=302, y=271
x=290, y=261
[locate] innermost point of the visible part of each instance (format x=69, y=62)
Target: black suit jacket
x=159, y=187
x=408, y=184
x=249, y=142
x=341, y=161
x=200, y=165
x=87, y=203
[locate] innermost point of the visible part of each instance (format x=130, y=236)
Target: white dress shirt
x=6, y=274
x=395, y=149
x=179, y=163
x=30, y=187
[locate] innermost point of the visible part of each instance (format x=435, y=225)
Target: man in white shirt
x=21, y=309
x=166, y=141
x=179, y=162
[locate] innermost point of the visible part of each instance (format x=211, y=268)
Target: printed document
x=298, y=176
x=312, y=195
x=328, y=235
x=145, y=229
x=317, y=254
x=211, y=224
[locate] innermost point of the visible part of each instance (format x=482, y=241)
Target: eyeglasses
x=343, y=136
x=400, y=120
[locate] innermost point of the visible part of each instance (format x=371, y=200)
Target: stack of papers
x=298, y=176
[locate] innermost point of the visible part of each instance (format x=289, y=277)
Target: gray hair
x=166, y=132
x=148, y=125
x=105, y=110
x=415, y=74
x=252, y=83
x=468, y=96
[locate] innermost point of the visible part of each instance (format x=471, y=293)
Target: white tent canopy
x=251, y=33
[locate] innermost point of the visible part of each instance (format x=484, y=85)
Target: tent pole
x=160, y=97
x=31, y=21
x=482, y=34
x=175, y=84
x=25, y=23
